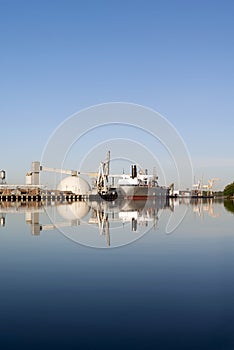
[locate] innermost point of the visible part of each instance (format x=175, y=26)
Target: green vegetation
x=229, y=190
x=229, y=205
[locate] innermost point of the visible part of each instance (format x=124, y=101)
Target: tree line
x=229, y=190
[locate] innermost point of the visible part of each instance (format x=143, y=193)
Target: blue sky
x=58, y=57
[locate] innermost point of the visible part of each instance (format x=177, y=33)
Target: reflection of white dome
x=73, y=211
x=74, y=184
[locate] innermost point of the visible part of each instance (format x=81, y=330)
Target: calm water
x=144, y=289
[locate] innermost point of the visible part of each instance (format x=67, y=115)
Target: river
x=115, y=275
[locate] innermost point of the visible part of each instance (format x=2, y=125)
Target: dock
x=41, y=198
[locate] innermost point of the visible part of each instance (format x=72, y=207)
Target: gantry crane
x=209, y=185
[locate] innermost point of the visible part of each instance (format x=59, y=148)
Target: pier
x=41, y=197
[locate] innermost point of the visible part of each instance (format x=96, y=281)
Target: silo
x=74, y=184
x=35, y=169
x=28, y=179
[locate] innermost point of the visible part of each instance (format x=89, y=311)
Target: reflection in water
x=229, y=205
x=2, y=220
x=134, y=216
x=106, y=216
x=200, y=206
x=30, y=209
x=177, y=287
x=73, y=211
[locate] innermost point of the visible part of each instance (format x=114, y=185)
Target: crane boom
x=67, y=172
x=61, y=171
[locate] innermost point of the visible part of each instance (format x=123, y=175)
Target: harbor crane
x=67, y=172
x=103, y=173
x=104, y=189
x=209, y=185
x=199, y=187
x=32, y=177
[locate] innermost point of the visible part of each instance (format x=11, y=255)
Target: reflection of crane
x=100, y=217
x=201, y=206
x=211, y=210
x=104, y=225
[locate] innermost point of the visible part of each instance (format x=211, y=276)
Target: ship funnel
x=134, y=171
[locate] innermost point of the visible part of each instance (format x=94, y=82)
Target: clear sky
x=177, y=57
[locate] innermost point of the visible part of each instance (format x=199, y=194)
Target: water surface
x=147, y=289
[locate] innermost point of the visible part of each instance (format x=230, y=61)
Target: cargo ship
x=140, y=185
x=136, y=185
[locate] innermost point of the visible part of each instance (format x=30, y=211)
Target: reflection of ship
x=141, y=212
x=138, y=214
x=119, y=222
x=130, y=217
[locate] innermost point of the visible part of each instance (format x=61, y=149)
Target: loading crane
x=209, y=185
x=33, y=176
x=60, y=171
x=67, y=172
x=104, y=189
x=199, y=187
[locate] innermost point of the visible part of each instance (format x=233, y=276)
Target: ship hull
x=141, y=192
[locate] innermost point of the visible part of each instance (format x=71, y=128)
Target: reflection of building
x=73, y=211
x=31, y=210
x=101, y=213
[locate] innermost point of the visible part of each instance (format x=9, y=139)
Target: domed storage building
x=75, y=184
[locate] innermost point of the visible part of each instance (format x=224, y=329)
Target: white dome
x=73, y=211
x=75, y=184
